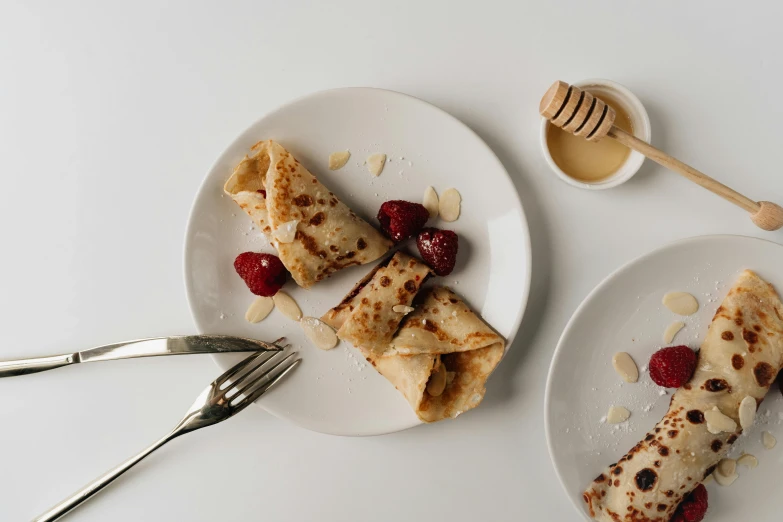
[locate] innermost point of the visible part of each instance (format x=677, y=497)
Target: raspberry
x=263, y=274
x=672, y=367
x=693, y=507
x=439, y=249
x=402, y=219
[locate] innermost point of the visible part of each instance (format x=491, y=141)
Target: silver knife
x=177, y=345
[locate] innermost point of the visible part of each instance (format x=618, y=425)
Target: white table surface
x=111, y=113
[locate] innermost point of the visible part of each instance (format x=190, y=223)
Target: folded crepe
x=740, y=357
x=315, y=233
x=366, y=315
x=441, y=340
x=438, y=356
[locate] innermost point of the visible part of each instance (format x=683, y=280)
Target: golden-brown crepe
x=314, y=232
x=740, y=357
x=443, y=330
x=442, y=323
x=438, y=356
x=372, y=321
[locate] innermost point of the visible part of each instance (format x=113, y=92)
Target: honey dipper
x=583, y=114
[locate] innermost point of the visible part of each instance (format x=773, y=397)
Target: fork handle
x=36, y=364
x=98, y=484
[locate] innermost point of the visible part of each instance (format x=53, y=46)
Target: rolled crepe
x=439, y=356
x=442, y=323
x=740, y=357
x=371, y=321
x=443, y=330
x=284, y=199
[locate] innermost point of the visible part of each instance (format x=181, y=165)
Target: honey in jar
x=589, y=161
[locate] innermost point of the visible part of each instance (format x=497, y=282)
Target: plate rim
x=525, y=238
x=582, y=305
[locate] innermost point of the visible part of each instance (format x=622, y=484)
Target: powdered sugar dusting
x=639, y=335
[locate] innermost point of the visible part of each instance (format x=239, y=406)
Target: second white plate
x=337, y=391
x=624, y=313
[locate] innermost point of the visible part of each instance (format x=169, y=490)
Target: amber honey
x=586, y=160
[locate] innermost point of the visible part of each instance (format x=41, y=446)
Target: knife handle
x=37, y=364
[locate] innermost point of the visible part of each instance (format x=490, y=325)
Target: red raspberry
x=672, y=367
x=264, y=274
x=693, y=507
x=402, y=219
x=439, y=249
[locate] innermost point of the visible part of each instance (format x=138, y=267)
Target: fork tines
x=254, y=376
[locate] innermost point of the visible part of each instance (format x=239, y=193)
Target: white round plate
x=336, y=391
x=624, y=313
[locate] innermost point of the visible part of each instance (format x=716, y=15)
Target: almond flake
x=437, y=382
x=625, y=367
x=748, y=460
x=709, y=478
x=259, y=309
x=321, y=334
x=617, y=414
x=726, y=467
x=375, y=164
x=725, y=481
x=286, y=232
x=449, y=206
x=671, y=331
x=768, y=440
x=431, y=202
x=747, y=412
x=402, y=309
x=287, y=306
x=717, y=422
x=681, y=303
x=337, y=160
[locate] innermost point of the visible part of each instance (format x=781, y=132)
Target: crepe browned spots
x=281, y=195
x=439, y=355
x=740, y=357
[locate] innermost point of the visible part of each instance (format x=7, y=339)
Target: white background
x=111, y=113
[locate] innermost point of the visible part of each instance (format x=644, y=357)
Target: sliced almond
x=259, y=309
x=726, y=467
x=747, y=412
x=748, y=460
x=437, y=382
x=321, y=334
x=681, y=303
x=402, y=309
x=286, y=232
x=625, y=367
x=725, y=481
x=431, y=202
x=717, y=422
x=287, y=306
x=768, y=440
x=337, y=160
x=671, y=331
x=449, y=205
x=375, y=164
x=617, y=414
x=707, y=479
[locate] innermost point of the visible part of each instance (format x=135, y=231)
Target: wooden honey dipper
x=582, y=114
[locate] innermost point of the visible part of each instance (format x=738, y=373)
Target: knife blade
x=151, y=347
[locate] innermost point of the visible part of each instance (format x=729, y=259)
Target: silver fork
x=229, y=394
